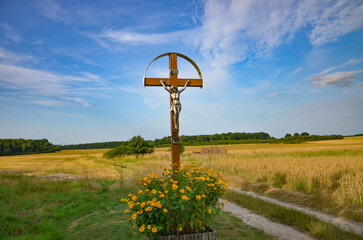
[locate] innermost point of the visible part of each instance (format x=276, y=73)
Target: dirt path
x=344, y=224
x=277, y=230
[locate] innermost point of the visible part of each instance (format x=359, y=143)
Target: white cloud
x=8, y=57
x=340, y=79
x=52, y=10
x=11, y=33
x=134, y=38
x=233, y=30
x=274, y=94
x=297, y=70
x=37, y=81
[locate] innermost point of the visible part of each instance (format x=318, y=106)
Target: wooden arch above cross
x=174, y=81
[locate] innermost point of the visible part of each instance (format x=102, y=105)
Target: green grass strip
x=305, y=223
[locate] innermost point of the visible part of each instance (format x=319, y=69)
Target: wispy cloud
x=11, y=33
x=53, y=10
x=297, y=70
x=274, y=95
x=125, y=37
x=8, y=57
x=233, y=30
x=49, y=89
x=339, y=78
x=38, y=81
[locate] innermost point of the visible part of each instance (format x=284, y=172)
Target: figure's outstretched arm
x=185, y=86
x=162, y=83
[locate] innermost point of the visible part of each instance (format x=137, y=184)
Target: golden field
x=325, y=174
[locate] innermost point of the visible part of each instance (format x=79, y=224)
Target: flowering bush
x=176, y=202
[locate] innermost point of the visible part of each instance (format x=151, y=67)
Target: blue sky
x=71, y=71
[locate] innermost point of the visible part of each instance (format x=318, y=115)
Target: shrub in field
x=136, y=146
x=176, y=202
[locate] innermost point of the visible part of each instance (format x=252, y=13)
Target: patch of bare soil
x=57, y=176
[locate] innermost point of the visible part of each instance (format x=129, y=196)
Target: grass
x=39, y=208
x=305, y=223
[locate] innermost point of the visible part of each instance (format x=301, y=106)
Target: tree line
x=97, y=145
x=214, y=139
x=23, y=146
x=26, y=146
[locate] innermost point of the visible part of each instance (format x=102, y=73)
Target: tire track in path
x=277, y=230
x=344, y=224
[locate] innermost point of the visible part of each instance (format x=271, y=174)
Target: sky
x=72, y=71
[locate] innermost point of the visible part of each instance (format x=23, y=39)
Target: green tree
x=296, y=135
x=288, y=135
x=139, y=146
x=304, y=134
x=136, y=146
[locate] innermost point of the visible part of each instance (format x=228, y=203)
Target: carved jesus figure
x=176, y=105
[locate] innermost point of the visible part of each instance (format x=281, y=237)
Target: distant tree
x=304, y=134
x=288, y=135
x=136, y=146
x=139, y=146
x=296, y=135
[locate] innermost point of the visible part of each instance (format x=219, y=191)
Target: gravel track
x=343, y=224
x=279, y=231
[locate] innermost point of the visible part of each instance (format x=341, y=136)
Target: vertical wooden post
x=173, y=75
x=174, y=81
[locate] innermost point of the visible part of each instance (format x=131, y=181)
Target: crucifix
x=171, y=85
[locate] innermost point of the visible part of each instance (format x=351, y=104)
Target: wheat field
x=325, y=174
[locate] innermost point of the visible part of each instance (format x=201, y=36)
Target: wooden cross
x=173, y=80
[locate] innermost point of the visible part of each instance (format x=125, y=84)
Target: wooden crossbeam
x=181, y=82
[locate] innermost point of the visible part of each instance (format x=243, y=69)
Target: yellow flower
x=139, y=192
x=134, y=198
x=180, y=229
x=185, y=198
x=154, y=230
x=140, y=211
x=203, y=195
x=142, y=229
x=189, y=189
x=166, y=191
x=134, y=234
x=126, y=210
x=209, y=210
x=142, y=204
x=130, y=195
x=153, y=191
x=154, y=199
x=198, y=197
x=174, y=186
x=148, y=209
x=182, y=191
x=148, y=226
x=226, y=201
x=162, y=195
x=165, y=210
x=134, y=216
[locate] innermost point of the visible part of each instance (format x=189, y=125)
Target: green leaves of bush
x=136, y=146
